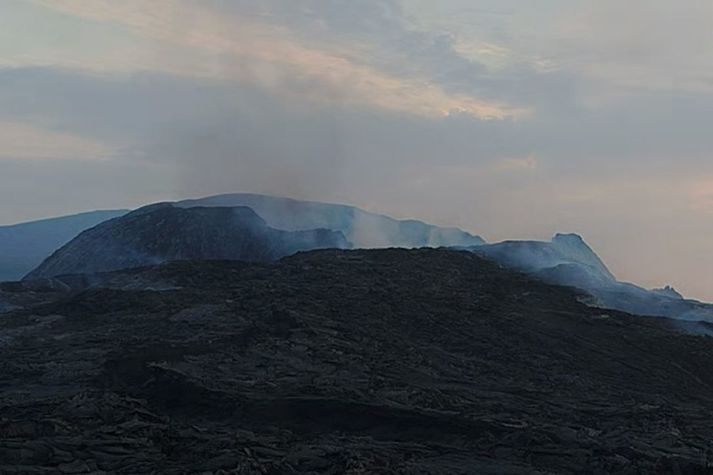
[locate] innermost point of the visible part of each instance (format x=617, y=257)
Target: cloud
x=20, y=141
x=701, y=194
x=267, y=55
x=528, y=163
x=638, y=44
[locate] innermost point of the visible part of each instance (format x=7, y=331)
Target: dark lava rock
x=390, y=361
x=163, y=232
x=24, y=246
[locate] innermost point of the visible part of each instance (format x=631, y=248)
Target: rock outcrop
x=163, y=232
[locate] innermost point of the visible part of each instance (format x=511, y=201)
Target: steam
x=362, y=229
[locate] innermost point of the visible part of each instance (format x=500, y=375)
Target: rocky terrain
x=568, y=260
x=387, y=361
x=198, y=233
x=535, y=256
x=163, y=232
x=24, y=246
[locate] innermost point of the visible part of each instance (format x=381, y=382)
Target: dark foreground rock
x=358, y=362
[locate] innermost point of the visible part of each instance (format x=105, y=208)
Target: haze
x=508, y=118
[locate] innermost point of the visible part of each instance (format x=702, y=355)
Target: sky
x=511, y=119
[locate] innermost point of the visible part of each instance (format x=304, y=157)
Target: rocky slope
x=362, y=228
x=568, y=260
x=390, y=361
x=163, y=232
x=562, y=250
x=24, y=246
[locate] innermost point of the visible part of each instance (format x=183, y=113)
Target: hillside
x=163, y=232
x=421, y=361
x=568, y=260
x=24, y=246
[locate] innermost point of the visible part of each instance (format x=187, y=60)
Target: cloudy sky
x=509, y=118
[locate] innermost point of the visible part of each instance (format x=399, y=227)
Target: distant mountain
x=362, y=228
x=261, y=227
x=668, y=291
x=164, y=232
x=24, y=246
x=568, y=250
x=568, y=260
